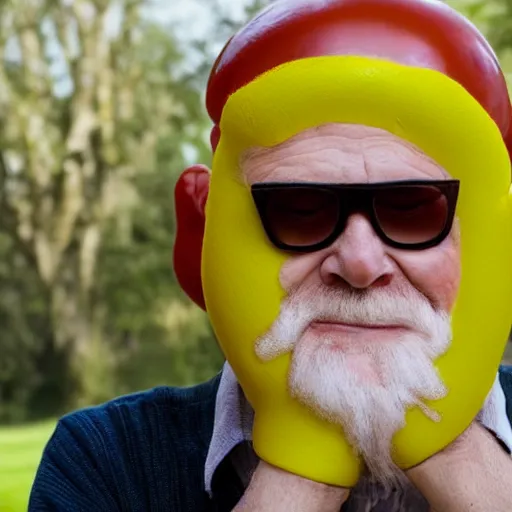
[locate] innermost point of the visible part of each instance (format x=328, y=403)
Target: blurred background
x=101, y=108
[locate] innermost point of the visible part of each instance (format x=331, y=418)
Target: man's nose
x=358, y=257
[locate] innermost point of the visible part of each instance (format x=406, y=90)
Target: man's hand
x=274, y=490
x=473, y=473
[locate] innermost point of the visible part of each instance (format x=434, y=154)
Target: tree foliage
x=94, y=114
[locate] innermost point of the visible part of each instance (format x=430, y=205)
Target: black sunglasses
x=306, y=217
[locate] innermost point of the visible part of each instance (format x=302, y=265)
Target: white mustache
x=376, y=307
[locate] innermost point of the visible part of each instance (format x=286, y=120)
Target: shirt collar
x=232, y=423
x=234, y=417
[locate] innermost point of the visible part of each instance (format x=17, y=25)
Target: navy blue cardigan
x=142, y=452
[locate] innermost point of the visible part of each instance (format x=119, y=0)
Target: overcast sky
x=194, y=20
x=191, y=17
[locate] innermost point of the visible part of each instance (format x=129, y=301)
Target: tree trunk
x=77, y=328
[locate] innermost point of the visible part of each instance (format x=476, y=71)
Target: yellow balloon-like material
x=241, y=268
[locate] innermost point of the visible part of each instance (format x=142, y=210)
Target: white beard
x=370, y=411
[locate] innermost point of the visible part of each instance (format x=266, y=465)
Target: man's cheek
x=299, y=268
x=436, y=276
x=442, y=284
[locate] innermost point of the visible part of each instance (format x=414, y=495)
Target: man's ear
x=190, y=197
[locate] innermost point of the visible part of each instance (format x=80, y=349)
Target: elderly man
x=352, y=252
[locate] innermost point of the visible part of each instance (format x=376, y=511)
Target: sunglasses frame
x=363, y=194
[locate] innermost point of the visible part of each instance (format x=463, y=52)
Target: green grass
x=20, y=453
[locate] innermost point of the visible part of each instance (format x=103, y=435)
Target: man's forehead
x=343, y=150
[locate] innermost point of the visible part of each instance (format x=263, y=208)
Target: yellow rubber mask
x=240, y=268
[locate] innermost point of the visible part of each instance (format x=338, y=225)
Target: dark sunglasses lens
x=300, y=217
x=413, y=214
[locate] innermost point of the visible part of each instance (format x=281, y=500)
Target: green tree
x=94, y=115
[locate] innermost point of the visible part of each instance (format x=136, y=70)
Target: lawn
x=20, y=453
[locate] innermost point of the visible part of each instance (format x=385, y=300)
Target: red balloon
x=190, y=196
x=424, y=33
